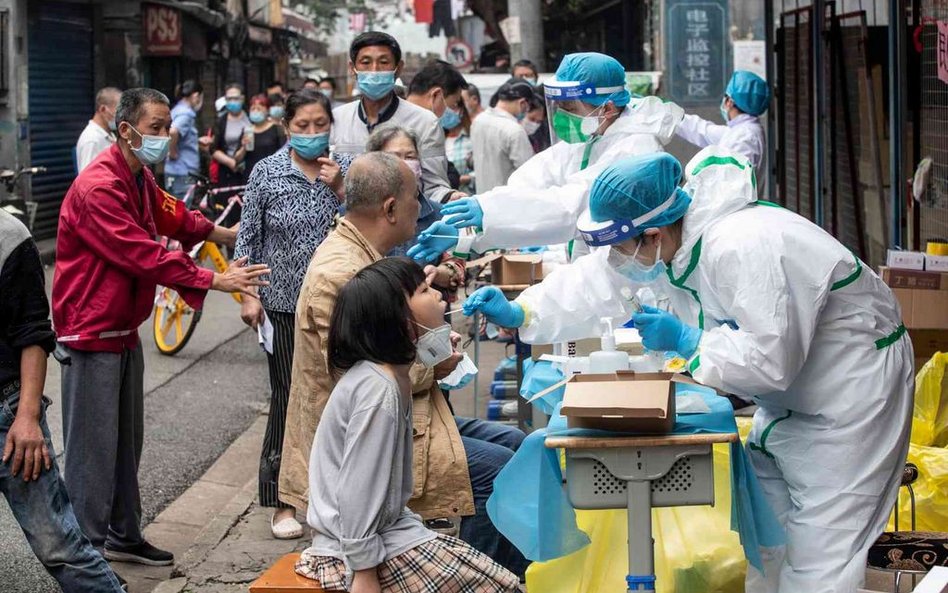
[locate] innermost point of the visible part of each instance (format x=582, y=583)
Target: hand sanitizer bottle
x=608, y=360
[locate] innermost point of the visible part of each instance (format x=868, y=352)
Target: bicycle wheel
x=174, y=322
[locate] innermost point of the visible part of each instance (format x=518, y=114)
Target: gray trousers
x=102, y=398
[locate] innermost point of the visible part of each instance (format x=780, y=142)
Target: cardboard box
x=923, y=297
x=926, y=342
x=936, y=263
x=923, y=309
x=914, y=279
x=508, y=269
x=624, y=401
x=905, y=260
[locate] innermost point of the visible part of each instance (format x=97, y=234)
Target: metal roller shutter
x=61, y=100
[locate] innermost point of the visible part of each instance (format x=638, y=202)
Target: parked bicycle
x=173, y=320
x=13, y=203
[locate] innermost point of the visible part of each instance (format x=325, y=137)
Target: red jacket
x=107, y=260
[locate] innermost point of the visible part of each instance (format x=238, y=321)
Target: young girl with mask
x=366, y=540
x=290, y=203
x=268, y=136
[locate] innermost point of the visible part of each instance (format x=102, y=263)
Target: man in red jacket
x=107, y=267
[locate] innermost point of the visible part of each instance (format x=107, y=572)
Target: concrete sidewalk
x=204, y=527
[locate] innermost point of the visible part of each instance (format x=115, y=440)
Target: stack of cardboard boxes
x=920, y=283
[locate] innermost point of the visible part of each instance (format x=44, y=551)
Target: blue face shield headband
x=577, y=91
x=610, y=232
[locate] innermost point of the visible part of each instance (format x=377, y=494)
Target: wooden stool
x=281, y=578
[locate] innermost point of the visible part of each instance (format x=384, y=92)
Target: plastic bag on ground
x=928, y=451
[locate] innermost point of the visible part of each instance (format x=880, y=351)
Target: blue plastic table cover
x=531, y=508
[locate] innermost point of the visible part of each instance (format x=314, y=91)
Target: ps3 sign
x=162, y=26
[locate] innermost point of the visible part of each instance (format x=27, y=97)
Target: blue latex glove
x=494, y=305
x=433, y=241
x=661, y=331
x=464, y=212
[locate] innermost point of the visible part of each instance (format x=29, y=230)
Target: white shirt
x=743, y=135
x=501, y=145
x=92, y=141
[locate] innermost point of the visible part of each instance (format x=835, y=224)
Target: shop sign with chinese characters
x=697, y=50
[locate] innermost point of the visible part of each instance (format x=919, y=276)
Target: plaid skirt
x=441, y=565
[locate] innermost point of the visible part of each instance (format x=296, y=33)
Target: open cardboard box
x=624, y=401
x=508, y=269
x=923, y=298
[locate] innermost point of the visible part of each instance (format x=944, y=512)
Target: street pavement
x=196, y=404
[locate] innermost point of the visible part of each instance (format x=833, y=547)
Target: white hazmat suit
x=793, y=320
x=744, y=135
x=545, y=196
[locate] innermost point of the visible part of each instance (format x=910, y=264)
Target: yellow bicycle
x=173, y=320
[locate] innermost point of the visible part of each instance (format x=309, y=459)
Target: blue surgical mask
x=257, y=117
x=235, y=106
x=276, y=112
x=450, y=119
x=326, y=93
x=309, y=146
x=112, y=125
x=153, y=150
x=724, y=114
x=376, y=85
x=635, y=271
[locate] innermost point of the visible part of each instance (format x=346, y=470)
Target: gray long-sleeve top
x=360, y=472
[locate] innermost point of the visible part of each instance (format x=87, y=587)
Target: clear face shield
x=572, y=118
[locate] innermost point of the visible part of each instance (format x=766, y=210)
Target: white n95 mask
x=434, y=346
x=463, y=374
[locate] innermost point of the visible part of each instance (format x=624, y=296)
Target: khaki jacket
x=442, y=482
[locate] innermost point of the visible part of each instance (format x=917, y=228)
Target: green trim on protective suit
x=724, y=160
x=762, y=447
x=680, y=281
x=586, y=154
x=694, y=364
x=768, y=204
x=848, y=279
x=891, y=338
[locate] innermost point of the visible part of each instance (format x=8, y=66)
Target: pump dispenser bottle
x=608, y=360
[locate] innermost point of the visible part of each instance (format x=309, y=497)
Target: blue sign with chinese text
x=697, y=57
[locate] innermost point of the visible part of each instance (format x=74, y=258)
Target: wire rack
x=934, y=129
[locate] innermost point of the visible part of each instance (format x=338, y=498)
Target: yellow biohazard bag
x=928, y=451
x=695, y=549
x=930, y=417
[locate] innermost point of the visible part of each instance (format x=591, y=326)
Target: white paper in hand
x=265, y=334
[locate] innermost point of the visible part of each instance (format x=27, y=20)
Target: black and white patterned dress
x=285, y=218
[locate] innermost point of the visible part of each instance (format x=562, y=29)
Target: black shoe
x=122, y=582
x=143, y=553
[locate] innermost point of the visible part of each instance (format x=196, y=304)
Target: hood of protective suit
x=720, y=182
x=648, y=115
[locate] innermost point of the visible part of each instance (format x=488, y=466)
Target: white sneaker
x=288, y=528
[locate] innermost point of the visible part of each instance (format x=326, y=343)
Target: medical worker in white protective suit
x=767, y=305
x=746, y=98
x=594, y=121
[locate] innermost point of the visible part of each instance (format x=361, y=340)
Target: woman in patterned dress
x=366, y=540
x=290, y=202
